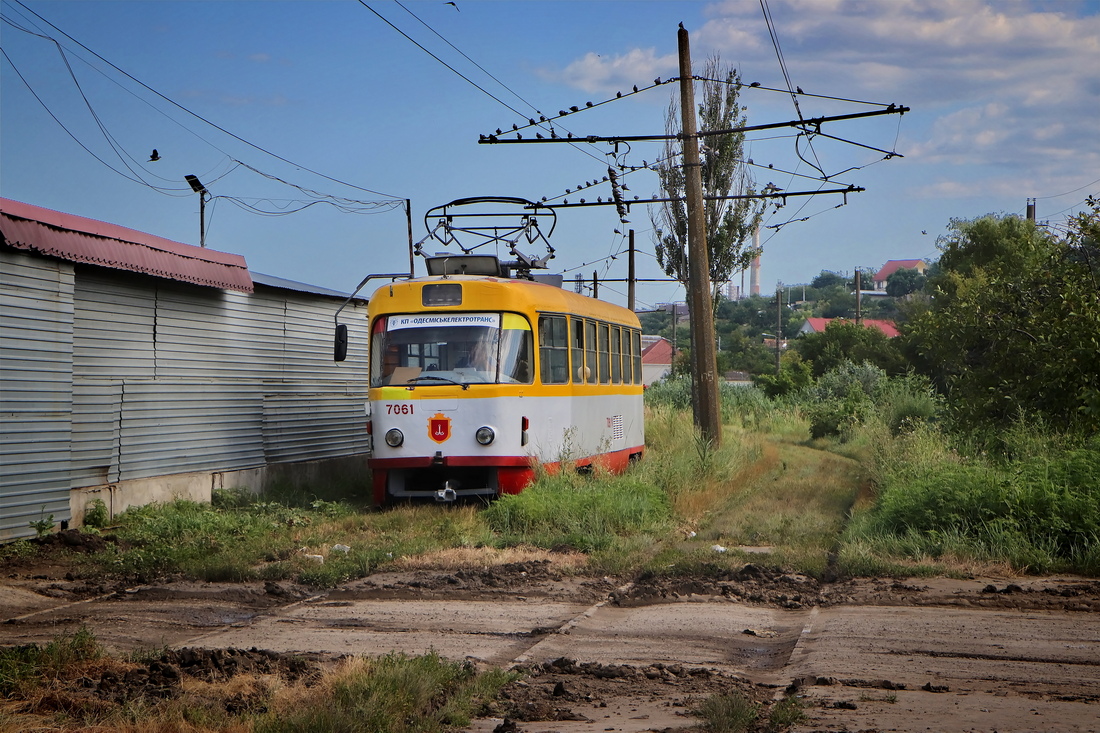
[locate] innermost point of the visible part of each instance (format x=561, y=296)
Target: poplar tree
x=730, y=223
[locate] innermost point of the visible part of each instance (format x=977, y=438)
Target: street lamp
x=200, y=189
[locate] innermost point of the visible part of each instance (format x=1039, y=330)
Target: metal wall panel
x=218, y=334
x=306, y=427
x=114, y=324
x=184, y=425
x=309, y=334
x=97, y=412
x=36, y=347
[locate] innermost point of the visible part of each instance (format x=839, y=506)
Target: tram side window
x=636, y=337
x=577, y=343
x=590, y=351
x=605, y=353
x=616, y=355
x=553, y=350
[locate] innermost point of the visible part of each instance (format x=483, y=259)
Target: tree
x=846, y=341
x=729, y=223
x=828, y=279
x=904, y=281
x=1013, y=323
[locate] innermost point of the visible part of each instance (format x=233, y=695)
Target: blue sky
x=1004, y=98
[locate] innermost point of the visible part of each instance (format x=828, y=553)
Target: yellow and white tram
x=475, y=379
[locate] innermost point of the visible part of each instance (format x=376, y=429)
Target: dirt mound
x=536, y=578
x=749, y=584
x=564, y=690
x=75, y=540
x=100, y=686
x=219, y=665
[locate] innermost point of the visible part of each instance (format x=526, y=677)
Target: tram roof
x=498, y=293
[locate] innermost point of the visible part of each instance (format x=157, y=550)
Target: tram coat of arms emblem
x=439, y=427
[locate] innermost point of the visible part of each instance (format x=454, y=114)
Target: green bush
x=96, y=514
x=1038, y=512
x=749, y=404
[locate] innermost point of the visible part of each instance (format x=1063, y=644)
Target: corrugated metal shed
x=112, y=373
x=77, y=239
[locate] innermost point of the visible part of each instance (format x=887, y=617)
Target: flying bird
x=155, y=156
x=453, y=6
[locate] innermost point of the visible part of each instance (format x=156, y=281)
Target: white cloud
x=595, y=72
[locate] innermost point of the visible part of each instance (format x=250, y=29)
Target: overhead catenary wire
x=458, y=73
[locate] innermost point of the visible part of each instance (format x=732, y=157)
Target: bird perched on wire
x=154, y=157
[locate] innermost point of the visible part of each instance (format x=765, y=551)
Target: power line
x=198, y=116
x=66, y=129
x=1067, y=193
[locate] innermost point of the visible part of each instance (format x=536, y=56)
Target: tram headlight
x=485, y=435
x=394, y=437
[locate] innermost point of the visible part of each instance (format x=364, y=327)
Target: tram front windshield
x=425, y=350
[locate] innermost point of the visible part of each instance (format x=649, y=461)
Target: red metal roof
x=818, y=325
x=659, y=352
x=77, y=239
x=894, y=265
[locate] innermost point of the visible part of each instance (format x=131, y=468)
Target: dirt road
x=603, y=655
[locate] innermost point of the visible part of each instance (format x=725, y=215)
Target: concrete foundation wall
x=331, y=479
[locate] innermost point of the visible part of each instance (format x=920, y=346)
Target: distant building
x=893, y=266
x=657, y=356
x=134, y=369
x=818, y=325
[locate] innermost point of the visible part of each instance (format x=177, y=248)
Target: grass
x=1034, y=508
x=886, y=497
x=25, y=667
x=756, y=488
x=732, y=712
x=398, y=693
x=394, y=693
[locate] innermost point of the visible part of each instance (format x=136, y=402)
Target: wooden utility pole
x=778, y=326
x=704, y=366
x=630, y=274
x=859, y=297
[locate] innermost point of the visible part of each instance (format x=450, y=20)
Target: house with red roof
x=893, y=266
x=657, y=353
x=818, y=325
